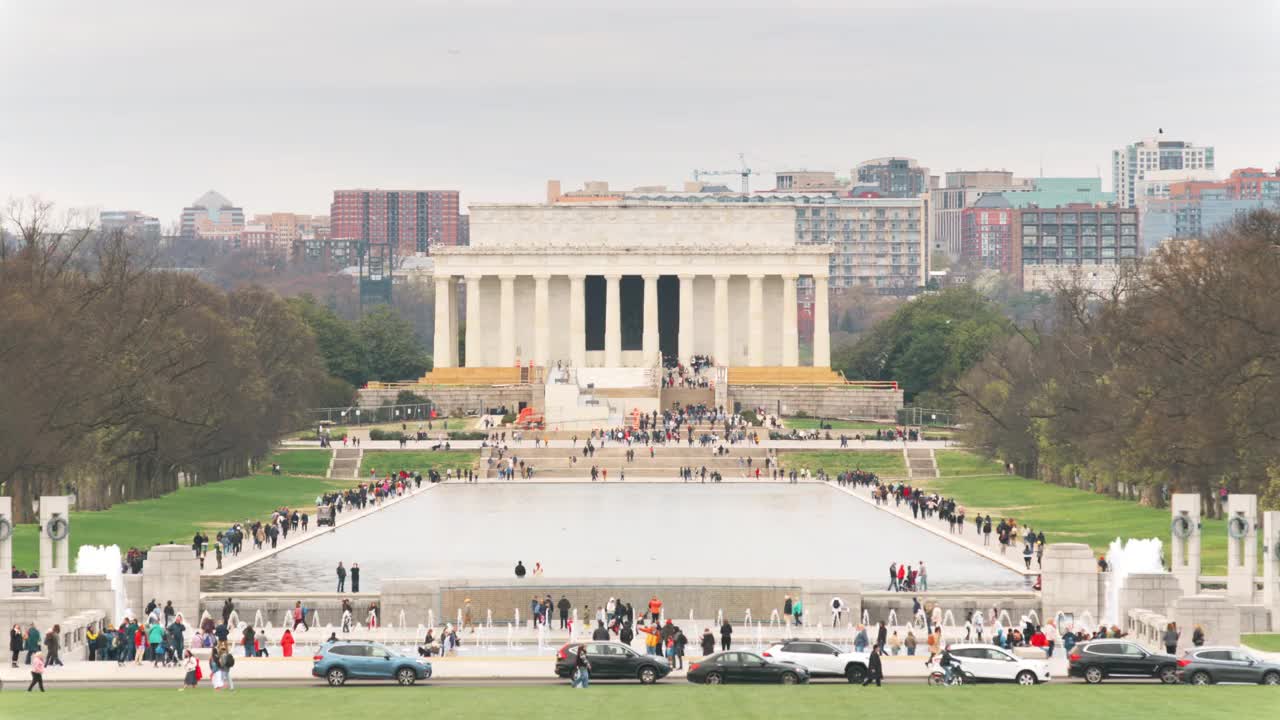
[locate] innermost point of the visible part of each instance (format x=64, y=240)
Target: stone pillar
x=475, y=351
x=54, y=554
x=790, y=336
x=507, y=322
x=685, y=341
x=1242, y=551
x=577, y=321
x=171, y=572
x=755, y=320
x=650, y=337
x=541, y=322
x=1219, y=617
x=441, y=355
x=7, y=526
x=722, y=320
x=612, y=322
x=1184, y=556
x=1069, y=583
x=454, y=355
x=1270, y=564
x=821, y=323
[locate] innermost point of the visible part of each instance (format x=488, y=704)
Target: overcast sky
x=146, y=105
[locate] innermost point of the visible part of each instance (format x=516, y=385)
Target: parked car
x=340, y=661
x=988, y=663
x=1099, y=659
x=613, y=661
x=820, y=659
x=738, y=666
x=1209, y=665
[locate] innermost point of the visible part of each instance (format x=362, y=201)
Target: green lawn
x=959, y=462
x=1266, y=642
x=881, y=462
x=1057, y=701
x=300, y=462
x=799, y=423
x=384, y=461
x=179, y=514
x=1070, y=515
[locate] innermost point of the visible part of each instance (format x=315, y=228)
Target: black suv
x=613, y=661
x=1098, y=659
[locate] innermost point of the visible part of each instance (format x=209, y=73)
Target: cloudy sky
x=145, y=105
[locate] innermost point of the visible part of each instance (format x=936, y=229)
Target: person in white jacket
x=189, y=665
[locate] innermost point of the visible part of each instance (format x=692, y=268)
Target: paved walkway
x=419, y=445
x=297, y=537
x=968, y=539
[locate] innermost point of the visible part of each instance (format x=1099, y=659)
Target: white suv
x=989, y=663
x=820, y=659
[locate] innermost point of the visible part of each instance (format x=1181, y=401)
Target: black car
x=1209, y=665
x=613, y=661
x=1098, y=659
x=744, y=667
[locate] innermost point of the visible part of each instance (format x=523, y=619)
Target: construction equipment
x=745, y=172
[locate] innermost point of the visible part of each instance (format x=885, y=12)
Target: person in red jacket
x=286, y=643
x=655, y=608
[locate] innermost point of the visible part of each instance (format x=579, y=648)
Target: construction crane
x=745, y=172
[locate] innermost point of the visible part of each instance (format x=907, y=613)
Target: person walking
x=226, y=662
x=15, y=644
x=708, y=642
x=893, y=577
x=33, y=644
x=189, y=665
x=726, y=635
x=355, y=577
x=342, y=577
x=882, y=635
x=797, y=610
x=875, y=671
x=1171, y=636
x=581, y=669
x=37, y=672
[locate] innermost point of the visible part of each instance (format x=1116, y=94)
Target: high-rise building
x=896, y=176
x=988, y=237
x=464, y=229
x=1196, y=208
x=130, y=222
x=1132, y=163
x=411, y=221
x=963, y=189
x=212, y=217
x=290, y=227
x=1092, y=239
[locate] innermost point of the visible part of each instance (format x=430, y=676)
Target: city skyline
x=493, y=99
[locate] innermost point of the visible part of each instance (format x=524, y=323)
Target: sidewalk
x=834, y=444
x=297, y=537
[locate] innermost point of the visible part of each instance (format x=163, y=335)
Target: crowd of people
x=693, y=375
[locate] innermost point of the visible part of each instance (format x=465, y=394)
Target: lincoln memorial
x=618, y=285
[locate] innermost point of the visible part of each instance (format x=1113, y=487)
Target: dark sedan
x=1099, y=659
x=613, y=661
x=1209, y=665
x=744, y=667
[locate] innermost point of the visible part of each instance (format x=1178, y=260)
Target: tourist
x=286, y=643
x=215, y=666
x=15, y=644
x=655, y=609
x=1171, y=635
x=342, y=577
x=37, y=672
x=52, y=640
x=922, y=578
x=893, y=577
x=726, y=635
x=797, y=609
x=1197, y=637
x=786, y=608
x=190, y=666
x=355, y=577
x=32, y=643
x=837, y=608
x=875, y=671
x=564, y=606
x=1027, y=552
x=299, y=616
x=176, y=635
x=537, y=568
x=895, y=644
x=520, y=571
x=910, y=643
x=601, y=632
x=860, y=641
x=581, y=669
x=1050, y=631
x=246, y=639
x=882, y=635
x=466, y=616
x=226, y=661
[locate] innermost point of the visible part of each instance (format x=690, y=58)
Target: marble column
x=755, y=320
x=440, y=353
x=790, y=336
x=454, y=356
x=684, y=343
x=541, y=322
x=475, y=353
x=650, y=337
x=612, y=321
x=577, y=321
x=6, y=548
x=821, y=323
x=507, y=322
x=722, y=320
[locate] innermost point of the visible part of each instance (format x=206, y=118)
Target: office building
x=411, y=221
x=1197, y=208
x=1132, y=163
x=896, y=177
x=212, y=217
x=1087, y=239
x=962, y=190
x=131, y=223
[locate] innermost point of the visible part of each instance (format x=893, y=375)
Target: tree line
x=1169, y=381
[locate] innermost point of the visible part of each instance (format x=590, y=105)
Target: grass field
x=812, y=424
x=300, y=462
x=179, y=514
x=959, y=462
x=1070, y=515
x=881, y=462
x=1266, y=642
x=666, y=701
x=384, y=461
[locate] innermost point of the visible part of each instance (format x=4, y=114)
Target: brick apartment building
x=411, y=221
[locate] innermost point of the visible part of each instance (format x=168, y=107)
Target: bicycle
x=959, y=676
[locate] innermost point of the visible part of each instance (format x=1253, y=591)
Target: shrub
x=377, y=434
x=508, y=418
x=467, y=435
